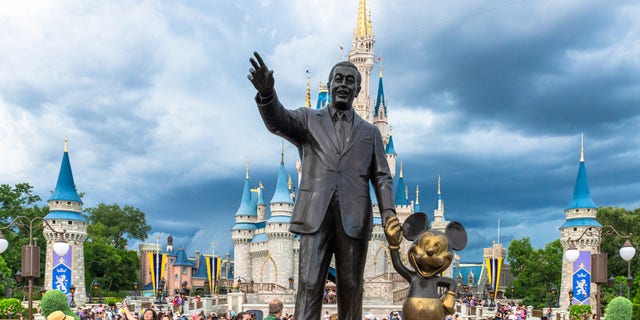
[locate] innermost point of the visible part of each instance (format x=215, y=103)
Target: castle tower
x=65, y=213
x=390, y=151
x=361, y=55
x=439, y=223
x=242, y=233
x=416, y=206
x=494, y=258
x=580, y=215
x=380, y=111
x=277, y=267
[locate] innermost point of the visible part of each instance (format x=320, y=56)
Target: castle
x=266, y=253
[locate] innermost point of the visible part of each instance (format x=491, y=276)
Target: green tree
x=106, y=256
x=535, y=270
x=625, y=222
x=19, y=200
x=55, y=300
x=111, y=224
x=619, y=308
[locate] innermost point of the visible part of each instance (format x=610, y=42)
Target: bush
x=580, y=310
x=10, y=306
x=619, y=308
x=55, y=300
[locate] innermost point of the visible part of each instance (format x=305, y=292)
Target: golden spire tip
x=66, y=144
x=401, y=175
x=417, y=194
x=438, y=184
x=247, y=171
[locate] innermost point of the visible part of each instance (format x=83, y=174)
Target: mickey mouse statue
x=429, y=255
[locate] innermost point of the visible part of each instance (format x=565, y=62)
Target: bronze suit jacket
x=327, y=170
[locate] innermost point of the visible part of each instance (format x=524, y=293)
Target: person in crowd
x=275, y=310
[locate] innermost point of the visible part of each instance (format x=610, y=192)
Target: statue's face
x=344, y=87
x=429, y=254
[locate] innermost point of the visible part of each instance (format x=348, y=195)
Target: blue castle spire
x=581, y=194
x=401, y=190
x=65, y=187
x=282, y=193
x=416, y=207
x=65, y=203
x=245, y=208
x=390, y=149
x=381, y=103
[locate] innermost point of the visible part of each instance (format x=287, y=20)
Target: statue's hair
x=345, y=64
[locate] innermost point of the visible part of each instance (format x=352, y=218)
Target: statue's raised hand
x=260, y=76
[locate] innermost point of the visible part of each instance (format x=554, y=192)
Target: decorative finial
x=66, y=144
x=290, y=182
x=369, y=26
x=247, y=171
x=417, y=194
x=582, y=147
x=341, y=53
x=282, y=158
x=390, y=129
x=307, y=96
x=260, y=185
x=380, y=63
x=438, y=184
x=401, y=175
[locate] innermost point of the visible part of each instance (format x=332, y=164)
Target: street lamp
x=31, y=252
x=206, y=287
x=554, y=294
x=72, y=290
x=612, y=283
x=570, y=298
x=491, y=296
x=627, y=252
x=95, y=285
x=599, y=259
x=135, y=290
x=513, y=290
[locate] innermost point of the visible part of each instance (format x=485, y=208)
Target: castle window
x=53, y=222
x=70, y=222
x=576, y=210
x=57, y=202
x=68, y=203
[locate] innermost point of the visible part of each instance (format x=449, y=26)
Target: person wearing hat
x=59, y=315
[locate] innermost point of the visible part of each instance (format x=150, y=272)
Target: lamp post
x=612, y=283
x=206, y=287
x=491, y=296
x=513, y=290
x=72, y=290
x=95, y=285
x=160, y=293
x=599, y=259
x=570, y=298
x=627, y=252
x=554, y=294
x=135, y=290
x=31, y=252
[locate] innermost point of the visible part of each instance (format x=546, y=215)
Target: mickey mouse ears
x=415, y=225
x=418, y=223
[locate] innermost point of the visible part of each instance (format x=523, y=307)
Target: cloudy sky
x=491, y=95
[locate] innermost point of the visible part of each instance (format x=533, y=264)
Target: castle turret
x=390, y=151
x=439, y=223
x=243, y=231
x=380, y=111
x=580, y=215
x=361, y=55
x=65, y=212
x=277, y=228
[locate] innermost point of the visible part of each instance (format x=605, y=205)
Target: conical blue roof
x=282, y=194
x=380, y=100
x=401, y=196
x=390, y=149
x=323, y=99
x=65, y=187
x=245, y=203
x=261, y=195
x=182, y=260
x=581, y=193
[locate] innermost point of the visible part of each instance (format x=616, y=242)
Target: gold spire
x=247, y=173
x=401, y=175
x=417, y=194
x=369, y=27
x=380, y=62
x=66, y=144
x=390, y=129
x=361, y=25
x=438, y=184
x=307, y=96
x=322, y=87
x=582, y=147
x=282, y=154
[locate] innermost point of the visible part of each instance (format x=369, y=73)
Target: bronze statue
x=429, y=255
x=341, y=154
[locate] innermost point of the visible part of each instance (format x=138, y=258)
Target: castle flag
x=157, y=265
x=213, y=273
